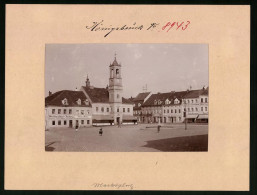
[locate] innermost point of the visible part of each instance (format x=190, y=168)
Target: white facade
x=68, y=116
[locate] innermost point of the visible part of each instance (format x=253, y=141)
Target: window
x=192, y=101
x=168, y=111
x=88, y=112
x=82, y=112
x=196, y=100
x=64, y=111
x=206, y=100
x=70, y=111
x=171, y=111
x=64, y=122
x=192, y=109
x=86, y=102
x=64, y=101
x=201, y=108
x=82, y=122
x=96, y=108
x=88, y=122
x=188, y=109
x=139, y=104
x=179, y=110
x=118, y=110
x=117, y=72
x=53, y=111
x=201, y=99
x=53, y=122
x=118, y=96
x=59, y=111
x=79, y=101
x=107, y=109
x=102, y=109
x=196, y=109
x=175, y=111
x=59, y=122
x=128, y=110
x=164, y=111
x=124, y=110
x=205, y=108
x=179, y=118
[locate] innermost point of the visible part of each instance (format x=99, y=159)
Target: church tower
x=87, y=82
x=115, y=82
x=115, y=91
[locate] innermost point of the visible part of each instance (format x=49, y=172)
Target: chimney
x=49, y=93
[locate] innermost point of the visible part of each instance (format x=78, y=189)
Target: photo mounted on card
x=118, y=97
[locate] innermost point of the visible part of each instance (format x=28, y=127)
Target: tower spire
x=87, y=82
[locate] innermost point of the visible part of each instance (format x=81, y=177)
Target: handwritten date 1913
x=176, y=26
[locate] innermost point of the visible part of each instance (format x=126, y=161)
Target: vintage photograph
x=126, y=97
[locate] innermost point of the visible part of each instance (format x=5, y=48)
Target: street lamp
x=185, y=115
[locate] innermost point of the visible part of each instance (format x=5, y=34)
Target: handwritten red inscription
x=176, y=25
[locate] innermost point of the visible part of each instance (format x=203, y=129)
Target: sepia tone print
x=126, y=97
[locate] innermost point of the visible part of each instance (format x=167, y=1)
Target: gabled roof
x=97, y=95
x=72, y=97
x=141, y=96
x=157, y=97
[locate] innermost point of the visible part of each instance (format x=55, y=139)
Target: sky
x=162, y=67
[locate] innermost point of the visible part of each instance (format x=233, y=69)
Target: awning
x=203, y=116
x=191, y=116
x=103, y=117
x=129, y=117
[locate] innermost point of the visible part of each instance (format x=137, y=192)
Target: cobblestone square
x=130, y=138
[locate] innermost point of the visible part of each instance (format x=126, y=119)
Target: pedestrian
x=158, y=128
x=101, y=132
x=77, y=126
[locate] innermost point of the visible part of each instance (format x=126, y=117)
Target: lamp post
x=185, y=115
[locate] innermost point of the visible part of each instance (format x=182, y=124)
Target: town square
x=97, y=118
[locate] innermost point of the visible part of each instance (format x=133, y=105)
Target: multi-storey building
x=196, y=105
x=66, y=109
x=91, y=105
x=174, y=107
x=108, y=105
x=138, y=102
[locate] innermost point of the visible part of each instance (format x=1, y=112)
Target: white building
x=66, y=108
x=108, y=104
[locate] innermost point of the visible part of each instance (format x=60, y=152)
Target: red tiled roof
x=71, y=96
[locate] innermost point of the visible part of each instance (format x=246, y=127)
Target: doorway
x=118, y=120
x=70, y=123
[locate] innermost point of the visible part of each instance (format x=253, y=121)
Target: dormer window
x=155, y=102
x=65, y=101
x=86, y=102
x=176, y=101
x=79, y=101
x=167, y=101
x=139, y=104
x=159, y=102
